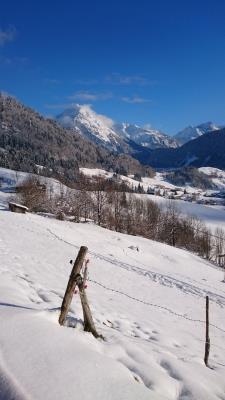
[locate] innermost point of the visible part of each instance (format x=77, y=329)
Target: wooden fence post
x=75, y=274
x=207, y=339
x=89, y=325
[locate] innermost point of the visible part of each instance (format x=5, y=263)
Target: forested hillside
x=28, y=141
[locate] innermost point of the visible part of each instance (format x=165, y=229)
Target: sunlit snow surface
x=148, y=353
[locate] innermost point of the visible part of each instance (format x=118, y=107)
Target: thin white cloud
x=117, y=79
x=106, y=120
x=138, y=80
x=147, y=126
x=88, y=108
x=52, y=81
x=5, y=60
x=86, y=82
x=135, y=100
x=7, y=35
x=90, y=96
x=85, y=108
x=14, y=61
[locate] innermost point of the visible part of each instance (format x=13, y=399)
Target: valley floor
x=147, y=299
x=212, y=216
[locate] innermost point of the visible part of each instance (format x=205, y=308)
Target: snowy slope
x=146, y=137
x=192, y=132
x=157, y=181
x=216, y=175
x=9, y=179
x=150, y=352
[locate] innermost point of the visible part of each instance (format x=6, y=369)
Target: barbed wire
x=206, y=233
x=135, y=269
x=154, y=305
x=62, y=240
x=136, y=299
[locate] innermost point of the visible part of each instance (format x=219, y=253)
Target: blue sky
x=148, y=62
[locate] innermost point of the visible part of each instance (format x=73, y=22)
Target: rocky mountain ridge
x=28, y=141
x=116, y=137
x=193, y=132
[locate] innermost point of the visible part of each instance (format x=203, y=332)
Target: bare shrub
x=33, y=194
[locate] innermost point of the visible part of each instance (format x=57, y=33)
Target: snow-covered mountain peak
x=96, y=127
x=82, y=116
x=102, y=130
x=193, y=132
x=145, y=136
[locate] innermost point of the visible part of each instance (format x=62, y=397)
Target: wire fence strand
x=154, y=305
x=136, y=299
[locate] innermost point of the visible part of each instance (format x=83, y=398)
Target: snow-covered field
x=9, y=179
x=157, y=181
x=217, y=177
x=148, y=304
x=212, y=216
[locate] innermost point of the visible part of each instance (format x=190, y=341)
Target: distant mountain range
x=206, y=150
x=193, y=132
x=116, y=137
x=86, y=139
x=146, y=137
x=125, y=137
x=201, y=145
x=28, y=141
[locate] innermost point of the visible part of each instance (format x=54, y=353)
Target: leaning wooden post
x=89, y=325
x=207, y=339
x=75, y=274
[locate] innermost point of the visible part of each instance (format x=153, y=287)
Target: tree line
x=112, y=205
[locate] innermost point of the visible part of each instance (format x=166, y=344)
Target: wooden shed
x=18, y=208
